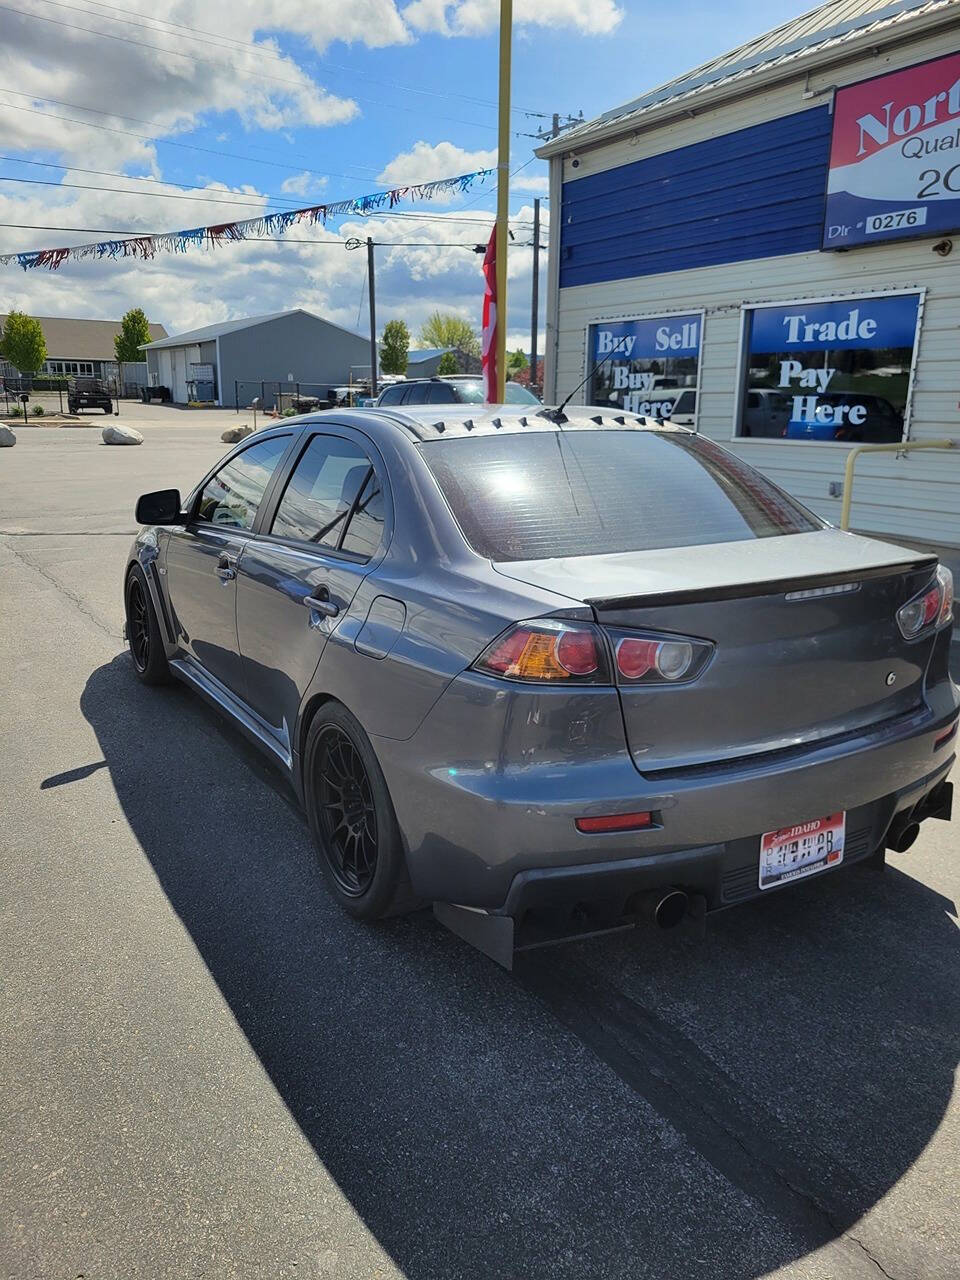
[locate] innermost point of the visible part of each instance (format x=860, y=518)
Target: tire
x=108, y=408
x=143, y=631
x=351, y=819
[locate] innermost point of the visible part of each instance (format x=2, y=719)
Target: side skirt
x=255, y=728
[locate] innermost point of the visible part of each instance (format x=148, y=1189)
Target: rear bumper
x=722, y=874
x=478, y=831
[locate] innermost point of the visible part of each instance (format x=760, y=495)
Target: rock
x=7, y=438
x=233, y=434
x=116, y=433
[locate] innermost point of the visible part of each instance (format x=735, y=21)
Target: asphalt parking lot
x=208, y=1070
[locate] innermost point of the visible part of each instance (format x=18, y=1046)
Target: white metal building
x=764, y=248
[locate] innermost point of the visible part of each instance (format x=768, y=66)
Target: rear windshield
x=582, y=493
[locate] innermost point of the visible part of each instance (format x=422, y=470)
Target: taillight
x=945, y=577
x=651, y=659
x=931, y=608
x=545, y=649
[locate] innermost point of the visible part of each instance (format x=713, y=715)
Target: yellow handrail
x=903, y=447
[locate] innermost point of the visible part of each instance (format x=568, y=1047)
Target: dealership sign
x=895, y=157
x=839, y=369
x=639, y=361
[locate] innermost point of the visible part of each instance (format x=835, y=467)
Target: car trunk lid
x=787, y=670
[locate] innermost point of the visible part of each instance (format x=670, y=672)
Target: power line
x=155, y=124
x=121, y=191
x=256, y=75
x=263, y=195
x=263, y=51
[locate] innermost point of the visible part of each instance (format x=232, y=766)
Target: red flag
x=490, y=319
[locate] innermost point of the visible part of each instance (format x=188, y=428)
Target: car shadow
x=572, y=1119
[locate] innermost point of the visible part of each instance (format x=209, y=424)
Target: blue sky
x=285, y=102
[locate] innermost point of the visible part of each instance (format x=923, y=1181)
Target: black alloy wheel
x=143, y=632
x=346, y=812
x=352, y=819
x=138, y=626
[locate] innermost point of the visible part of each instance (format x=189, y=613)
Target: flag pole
x=503, y=192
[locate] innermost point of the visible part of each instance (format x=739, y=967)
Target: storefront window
x=829, y=370
x=649, y=367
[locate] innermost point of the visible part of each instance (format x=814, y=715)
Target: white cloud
x=479, y=17
x=425, y=161
x=536, y=184
x=303, y=184
x=138, y=91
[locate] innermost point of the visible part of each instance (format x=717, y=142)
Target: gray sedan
x=550, y=672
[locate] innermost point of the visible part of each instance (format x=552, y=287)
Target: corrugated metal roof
x=68, y=339
x=211, y=331
x=416, y=354
x=829, y=25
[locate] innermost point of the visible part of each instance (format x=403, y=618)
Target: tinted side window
x=321, y=492
x=416, y=393
x=366, y=524
x=441, y=393
x=232, y=496
x=393, y=395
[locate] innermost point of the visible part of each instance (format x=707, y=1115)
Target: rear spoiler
x=742, y=590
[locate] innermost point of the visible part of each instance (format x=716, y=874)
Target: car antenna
x=557, y=415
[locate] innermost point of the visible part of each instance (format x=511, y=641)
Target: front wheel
x=143, y=632
x=352, y=820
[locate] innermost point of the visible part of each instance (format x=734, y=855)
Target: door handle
x=225, y=570
x=321, y=603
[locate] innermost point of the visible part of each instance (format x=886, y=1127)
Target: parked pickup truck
x=88, y=393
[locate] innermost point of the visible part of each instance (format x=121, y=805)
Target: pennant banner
x=264, y=227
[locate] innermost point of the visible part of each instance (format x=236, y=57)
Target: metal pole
x=503, y=192
x=373, y=319
x=536, y=294
x=902, y=446
x=236, y=395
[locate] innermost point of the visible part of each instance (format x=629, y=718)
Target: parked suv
x=462, y=389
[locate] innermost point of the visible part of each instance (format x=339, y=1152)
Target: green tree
x=134, y=330
x=394, y=347
x=517, y=360
x=448, y=364
x=443, y=329
x=23, y=343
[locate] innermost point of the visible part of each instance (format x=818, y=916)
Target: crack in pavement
x=76, y=600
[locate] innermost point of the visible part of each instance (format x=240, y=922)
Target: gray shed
x=286, y=348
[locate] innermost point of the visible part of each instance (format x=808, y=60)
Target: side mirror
x=162, y=507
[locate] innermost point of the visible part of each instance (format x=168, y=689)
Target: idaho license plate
x=801, y=850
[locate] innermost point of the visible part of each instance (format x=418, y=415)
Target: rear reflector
x=945, y=737
x=615, y=822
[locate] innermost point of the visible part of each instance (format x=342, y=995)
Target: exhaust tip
x=670, y=909
x=900, y=839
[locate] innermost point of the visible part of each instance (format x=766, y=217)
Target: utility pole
x=373, y=319
x=536, y=293
x=557, y=126
x=503, y=192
